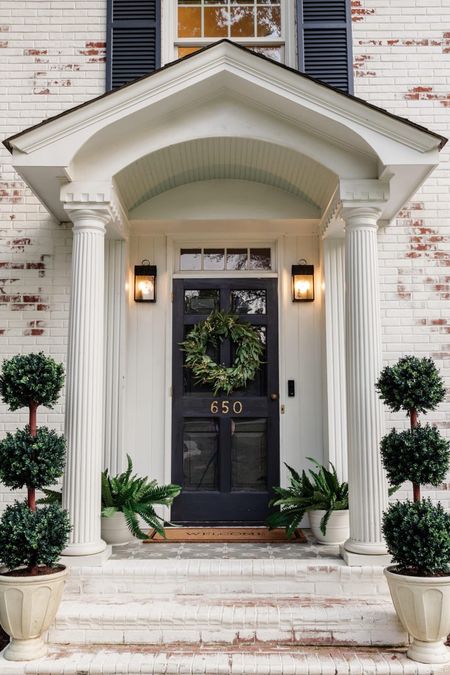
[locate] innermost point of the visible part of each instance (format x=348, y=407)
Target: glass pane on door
x=201, y=302
x=200, y=453
x=249, y=301
x=249, y=453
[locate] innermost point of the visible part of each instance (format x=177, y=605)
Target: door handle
x=274, y=397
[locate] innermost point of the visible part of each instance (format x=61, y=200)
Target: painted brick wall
x=402, y=63
x=52, y=57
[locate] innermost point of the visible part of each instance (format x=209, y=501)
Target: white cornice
x=225, y=57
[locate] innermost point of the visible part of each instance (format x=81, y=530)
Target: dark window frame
x=301, y=25
x=111, y=24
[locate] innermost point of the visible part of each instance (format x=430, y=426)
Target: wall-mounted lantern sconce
x=145, y=282
x=302, y=282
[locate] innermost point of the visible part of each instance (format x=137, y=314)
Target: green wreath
x=217, y=327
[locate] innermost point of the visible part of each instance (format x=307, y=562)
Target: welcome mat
x=225, y=535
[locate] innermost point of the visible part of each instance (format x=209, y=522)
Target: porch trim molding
x=336, y=406
x=116, y=266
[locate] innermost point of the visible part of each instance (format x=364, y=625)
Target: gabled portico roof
x=224, y=91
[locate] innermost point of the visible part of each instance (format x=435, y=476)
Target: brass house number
x=226, y=407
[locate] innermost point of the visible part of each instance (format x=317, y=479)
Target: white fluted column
x=334, y=273
x=367, y=484
x=84, y=390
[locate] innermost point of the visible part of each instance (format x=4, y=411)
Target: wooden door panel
x=225, y=449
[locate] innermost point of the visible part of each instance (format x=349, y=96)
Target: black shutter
x=133, y=40
x=325, y=41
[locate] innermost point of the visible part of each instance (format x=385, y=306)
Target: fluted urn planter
x=28, y=606
x=338, y=527
x=423, y=607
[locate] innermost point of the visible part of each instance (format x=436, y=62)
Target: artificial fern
x=322, y=491
x=134, y=496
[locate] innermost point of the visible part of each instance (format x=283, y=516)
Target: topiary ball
x=32, y=537
x=31, y=378
x=418, y=537
x=35, y=461
x=411, y=383
x=419, y=455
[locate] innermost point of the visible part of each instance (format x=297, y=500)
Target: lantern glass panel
x=302, y=283
x=145, y=287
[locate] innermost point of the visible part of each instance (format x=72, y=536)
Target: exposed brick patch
x=424, y=241
x=360, y=66
x=19, y=244
x=35, y=328
x=421, y=93
x=35, y=52
x=11, y=192
x=95, y=50
x=35, y=265
x=436, y=325
x=359, y=13
x=3, y=44
x=443, y=42
x=402, y=292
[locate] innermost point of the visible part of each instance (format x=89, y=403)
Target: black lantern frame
x=302, y=282
x=145, y=282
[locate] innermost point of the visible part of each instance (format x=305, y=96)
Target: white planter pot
x=423, y=606
x=28, y=606
x=115, y=530
x=338, y=528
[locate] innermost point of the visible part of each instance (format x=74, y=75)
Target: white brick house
x=220, y=158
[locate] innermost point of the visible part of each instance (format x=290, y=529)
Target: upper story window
x=258, y=24
x=313, y=35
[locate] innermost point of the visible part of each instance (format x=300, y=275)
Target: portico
x=227, y=149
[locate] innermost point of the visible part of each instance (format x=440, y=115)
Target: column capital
x=96, y=202
x=351, y=195
x=361, y=217
x=88, y=217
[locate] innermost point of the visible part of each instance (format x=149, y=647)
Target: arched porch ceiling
x=226, y=158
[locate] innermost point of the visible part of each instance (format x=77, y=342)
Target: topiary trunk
x=31, y=497
x=414, y=423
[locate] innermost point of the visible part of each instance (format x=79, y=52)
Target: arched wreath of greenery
x=248, y=354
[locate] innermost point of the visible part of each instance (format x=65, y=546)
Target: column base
x=93, y=560
x=365, y=548
x=86, y=548
x=364, y=559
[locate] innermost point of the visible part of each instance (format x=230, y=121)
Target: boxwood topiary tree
x=417, y=533
x=33, y=458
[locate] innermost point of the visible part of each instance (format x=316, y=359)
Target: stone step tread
x=274, y=661
x=299, y=621
x=265, y=567
x=224, y=610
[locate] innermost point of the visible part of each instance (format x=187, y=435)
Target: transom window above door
x=228, y=259
x=257, y=24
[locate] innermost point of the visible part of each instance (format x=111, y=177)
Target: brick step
x=200, y=621
x=246, y=661
x=219, y=577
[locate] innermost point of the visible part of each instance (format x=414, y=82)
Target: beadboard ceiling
x=222, y=158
